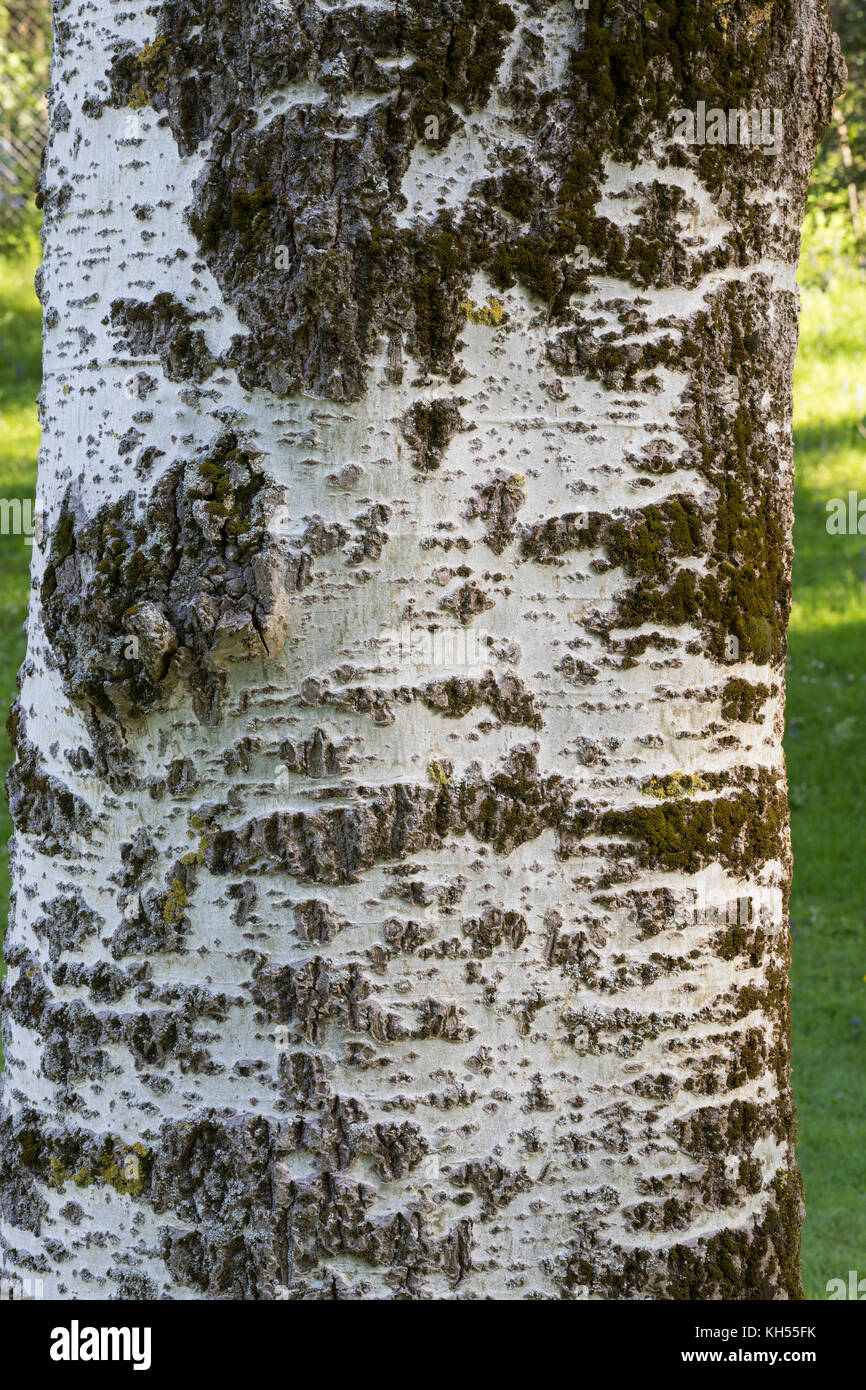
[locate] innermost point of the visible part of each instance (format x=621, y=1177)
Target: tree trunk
x=401, y=858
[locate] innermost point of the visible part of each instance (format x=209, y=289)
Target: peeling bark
x=403, y=703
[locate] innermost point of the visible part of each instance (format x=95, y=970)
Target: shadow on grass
x=825, y=746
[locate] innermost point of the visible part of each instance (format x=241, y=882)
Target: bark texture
x=403, y=703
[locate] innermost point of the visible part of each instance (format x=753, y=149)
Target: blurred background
x=827, y=652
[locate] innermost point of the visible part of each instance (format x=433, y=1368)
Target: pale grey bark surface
x=403, y=702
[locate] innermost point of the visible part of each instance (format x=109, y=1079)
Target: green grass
x=826, y=704
x=827, y=775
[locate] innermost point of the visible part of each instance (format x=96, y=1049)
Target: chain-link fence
x=25, y=38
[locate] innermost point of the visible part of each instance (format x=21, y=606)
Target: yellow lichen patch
x=152, y=59
x=125, y=1167
x=153, y=53
x=438, y=775
x=59, y=1175
x=675, y=785
x=200, y=827
x=175, y=902
x=759, y=15
x=492, y=312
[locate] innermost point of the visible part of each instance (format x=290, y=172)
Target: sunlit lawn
x=826, y=758
x=827, y=773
